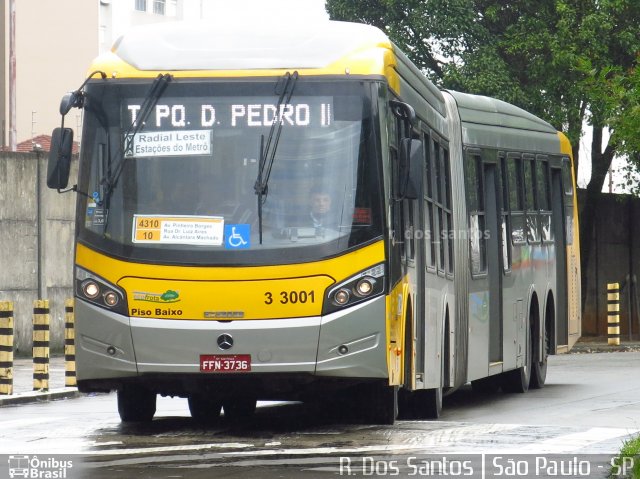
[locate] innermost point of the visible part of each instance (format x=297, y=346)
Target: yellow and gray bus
x=447, y=252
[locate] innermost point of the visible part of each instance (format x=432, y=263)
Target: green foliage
x=631, y=451
x=427, y=31
x=565, y=60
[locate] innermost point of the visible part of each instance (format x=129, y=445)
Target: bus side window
x=544, y=198
x=531, y=203
x=399, y=209
x=506, y=217
x=393, y=156
x=409, y=230
x=516, y=203
x=447, y=207
x=567, y=180
x=440, y=228
x=428, y=203
x=475, y=202
x=404, y=221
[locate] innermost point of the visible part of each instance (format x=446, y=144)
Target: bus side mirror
x=69, y=100
x=411, y=158
x=59, y=158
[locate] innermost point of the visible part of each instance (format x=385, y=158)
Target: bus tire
x=431, y=402
x=420, y=404
x=239, y=408
x=517, y=381
x=204, y=410
x=136, y=404
x=539, y=367
x=378, y=403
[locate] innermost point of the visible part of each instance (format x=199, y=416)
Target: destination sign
x=170, y=143
x=194, y=230
x=232, y=112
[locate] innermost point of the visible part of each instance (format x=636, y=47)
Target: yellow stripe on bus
x=258, y=292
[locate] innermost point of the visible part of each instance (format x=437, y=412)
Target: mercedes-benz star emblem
x=225, y=341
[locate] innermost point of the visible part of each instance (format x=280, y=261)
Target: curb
x=39, y=396
x=593, y=347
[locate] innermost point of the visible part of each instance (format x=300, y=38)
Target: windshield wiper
x=155, y=92
x=267, y=151
x=109, y=182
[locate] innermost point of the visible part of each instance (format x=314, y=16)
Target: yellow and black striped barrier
x=69, y=344
x=613, y=313
x=41, y=321
x=6, y=348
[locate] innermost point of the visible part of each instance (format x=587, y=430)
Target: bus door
x=415, y=250
x=560, y=240
x=493, y=235
x=414, y=265
x=485, y=300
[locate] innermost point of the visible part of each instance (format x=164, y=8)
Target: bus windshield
x=186, y=192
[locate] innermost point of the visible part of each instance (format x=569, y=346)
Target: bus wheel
x=539, y=367
x=429, y=401
x=517, y=381
x=204, y=410
x=239, y=408
x=420, y=404
x=136, y=404
x=378, y=403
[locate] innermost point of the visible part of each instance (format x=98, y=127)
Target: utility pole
x=13, y=136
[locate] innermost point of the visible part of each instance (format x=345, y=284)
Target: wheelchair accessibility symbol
x=237, y=236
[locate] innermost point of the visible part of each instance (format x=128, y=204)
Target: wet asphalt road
x=590, y=405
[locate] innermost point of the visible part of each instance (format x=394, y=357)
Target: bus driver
x=320, y=214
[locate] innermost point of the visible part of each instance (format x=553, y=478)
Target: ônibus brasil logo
x=34, y=467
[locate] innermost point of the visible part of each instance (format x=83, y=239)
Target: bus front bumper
x=346, y=344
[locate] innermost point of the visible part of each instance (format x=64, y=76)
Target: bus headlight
x=111, y=298
x=341, y=297
x=362, y=286
x=100, y=292
x=90, y=289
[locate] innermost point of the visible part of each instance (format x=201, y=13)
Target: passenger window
x=516, y=203
x=531, y=202
x=475, y=201
x=567, y=178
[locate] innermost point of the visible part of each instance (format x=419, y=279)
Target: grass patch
x=627, y=464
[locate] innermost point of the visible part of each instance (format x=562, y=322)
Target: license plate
x=225, y=363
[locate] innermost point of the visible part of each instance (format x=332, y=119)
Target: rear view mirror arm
x=62, y=147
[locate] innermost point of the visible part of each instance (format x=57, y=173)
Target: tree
x=567, y=61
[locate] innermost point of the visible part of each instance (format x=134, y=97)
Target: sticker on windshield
x=169, y=143
x=95, y=215
x=237, y=236
x=194, y=230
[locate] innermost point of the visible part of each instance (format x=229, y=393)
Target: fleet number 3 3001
x=290, y=297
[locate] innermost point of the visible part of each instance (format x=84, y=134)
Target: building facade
x=54, y=44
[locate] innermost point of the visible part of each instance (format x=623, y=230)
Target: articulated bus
x=447, y=254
